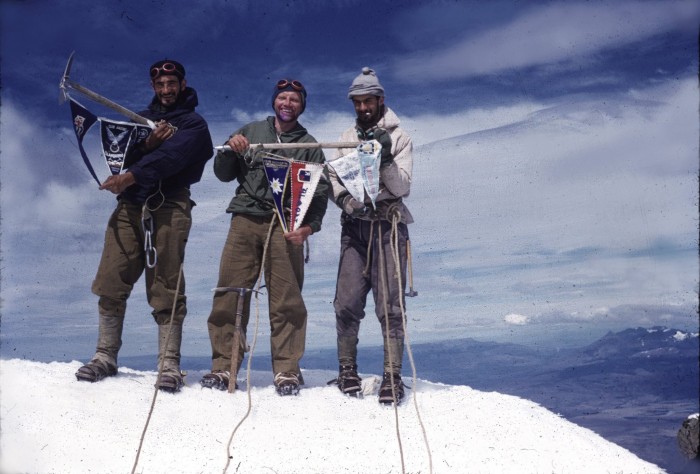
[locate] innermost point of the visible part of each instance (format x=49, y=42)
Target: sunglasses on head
x=284, y=83
x=165, y=69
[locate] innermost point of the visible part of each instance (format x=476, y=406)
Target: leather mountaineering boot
x=218, y=379
x=95, y=370
x=172, y=379
x=348, y=381
x=391, y=389
x=287, y=383
x=109, y=340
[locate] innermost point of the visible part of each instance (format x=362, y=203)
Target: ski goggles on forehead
x=166, y=69
x=294, y=84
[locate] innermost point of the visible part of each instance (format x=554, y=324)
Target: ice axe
x=66, y=83
x=236, y=332
x=292, y=146
x=411, y=291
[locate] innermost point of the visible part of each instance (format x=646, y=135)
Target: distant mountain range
x=634, y=387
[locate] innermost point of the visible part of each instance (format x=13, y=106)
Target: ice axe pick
x=66, y=83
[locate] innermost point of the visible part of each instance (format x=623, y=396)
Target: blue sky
x=556, y=160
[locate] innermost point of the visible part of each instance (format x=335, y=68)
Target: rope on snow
x=160, y=370
x=395, y=250
x=252, y=348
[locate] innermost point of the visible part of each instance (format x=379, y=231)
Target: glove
x=384, y=139
x=353, y=207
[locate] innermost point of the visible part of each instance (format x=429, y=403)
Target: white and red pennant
x=304, y=178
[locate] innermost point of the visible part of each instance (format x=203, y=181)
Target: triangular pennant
x=116, y=138
x=304, y=179
x=83, y=119
x=138, y=134
x=347, y=168
x=277, y=172
x=369, y=152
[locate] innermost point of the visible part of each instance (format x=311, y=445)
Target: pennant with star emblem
x=277, y=172
x=304, y=179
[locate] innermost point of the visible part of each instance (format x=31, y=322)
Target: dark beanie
x=167, y=67
x=284, y=85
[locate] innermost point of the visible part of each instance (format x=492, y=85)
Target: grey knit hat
x=367, y=83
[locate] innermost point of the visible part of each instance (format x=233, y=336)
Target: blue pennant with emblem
x=117, y=139
x=83, y=119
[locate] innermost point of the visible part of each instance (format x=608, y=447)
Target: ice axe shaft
x=411, y=291
x=67, y=83
x=237, y=333
x=283, y=146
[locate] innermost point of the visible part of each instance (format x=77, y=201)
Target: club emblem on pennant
x=368, y=153
x=347, y=167
x=83, y=119
x=277, y=171
x=117, y=139
x=305, y=178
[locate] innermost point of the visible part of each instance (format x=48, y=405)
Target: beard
x=370, y=120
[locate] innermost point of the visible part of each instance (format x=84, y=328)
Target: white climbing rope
x=252, y=347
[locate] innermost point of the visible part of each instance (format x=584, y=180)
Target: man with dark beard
x=252, y=210
x=363, y=230
x=153, y=206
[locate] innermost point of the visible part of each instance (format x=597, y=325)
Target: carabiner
x=147, y=226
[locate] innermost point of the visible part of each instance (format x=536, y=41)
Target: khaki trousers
x=123, y=262
x=241, y=260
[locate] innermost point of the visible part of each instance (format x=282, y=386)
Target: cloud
x=680, y=316
x=516, y=319
x=555, y=34
x=43, y=194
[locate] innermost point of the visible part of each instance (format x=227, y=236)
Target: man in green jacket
x=253, y=212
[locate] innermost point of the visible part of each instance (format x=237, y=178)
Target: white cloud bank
x=556, y=33
x=61, y=425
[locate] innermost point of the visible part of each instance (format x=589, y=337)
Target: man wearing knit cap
x=360, y=269
x=252, y=210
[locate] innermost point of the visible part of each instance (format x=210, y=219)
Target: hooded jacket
x=179, y=161
x=394, y=179
x=253, y=195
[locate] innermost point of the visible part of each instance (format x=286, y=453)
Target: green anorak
x=253, y=195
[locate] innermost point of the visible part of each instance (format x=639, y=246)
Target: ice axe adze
x=67, y=83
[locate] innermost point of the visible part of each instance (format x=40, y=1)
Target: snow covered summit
x=52, y=423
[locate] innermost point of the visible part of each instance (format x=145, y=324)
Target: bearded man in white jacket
x=363, y=266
